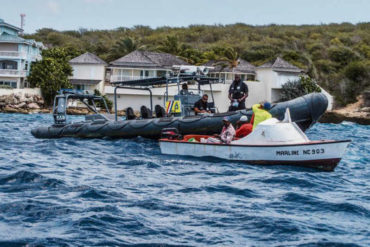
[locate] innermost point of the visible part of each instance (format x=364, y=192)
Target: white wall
x=90, y=72
x=257, y=93
x=282, y=78
x=266, y=76
x=137, y=98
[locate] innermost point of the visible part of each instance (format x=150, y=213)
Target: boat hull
x=323, y=155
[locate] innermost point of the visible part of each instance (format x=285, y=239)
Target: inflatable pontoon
x=305, y=111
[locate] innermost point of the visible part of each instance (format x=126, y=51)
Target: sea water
x=102, y=192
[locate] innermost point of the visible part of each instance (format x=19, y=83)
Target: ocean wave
x=112, y=192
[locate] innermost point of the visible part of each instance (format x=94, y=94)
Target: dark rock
x=334, y=117
x=366, y=96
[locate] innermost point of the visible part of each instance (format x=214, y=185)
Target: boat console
x=60, y=106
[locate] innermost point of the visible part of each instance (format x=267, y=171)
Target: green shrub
x=294, y=89
x=100, y=104
x=342, y=55
x=51, y=73
x=358, y=75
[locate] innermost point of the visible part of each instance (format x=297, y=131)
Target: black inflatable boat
x=305, y=111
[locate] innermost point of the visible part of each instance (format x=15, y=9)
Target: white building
x=143, y=64
x=274, y=75
x=264, y=82
x=246, y=70
x=140, y=65
x=88, y=72
x=16, y=56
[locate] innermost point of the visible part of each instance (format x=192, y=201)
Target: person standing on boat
x=244, y=127
x=201, y=106
x=238, y=92
x=261, y=113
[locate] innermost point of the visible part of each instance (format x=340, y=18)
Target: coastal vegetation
x=337, y=56
x=295, y=89
x=51, y=73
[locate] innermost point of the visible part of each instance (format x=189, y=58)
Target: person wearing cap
x=227, y=133
x=244, y=129
x=238, y=92
x=261, y=113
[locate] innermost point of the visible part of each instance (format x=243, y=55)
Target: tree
x=51, y=73
x=170, y=45
x=227, y=57
x=358, y=75
x=342, y=55
x=100, y=104
x=300, y=87
x=123, y=47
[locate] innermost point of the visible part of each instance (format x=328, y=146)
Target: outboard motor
x=59, y=113
x=145, y=112
x=130, y=115
x=159, y=111
x=171, y=134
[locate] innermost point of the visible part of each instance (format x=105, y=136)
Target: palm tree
x=228, y=58
x=123, y=47
x=170, y=45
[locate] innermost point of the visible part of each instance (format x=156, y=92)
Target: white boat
x=272, y=142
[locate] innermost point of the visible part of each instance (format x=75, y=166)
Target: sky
x=111, y=14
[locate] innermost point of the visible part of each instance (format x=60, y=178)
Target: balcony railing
x=14, y=54
x=115, y=78
x=13, y=72
x=21, y=55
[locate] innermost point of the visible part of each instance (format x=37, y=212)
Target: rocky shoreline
x=22, y=103
x=358, y=112
x=28, y=104
x=336, y=117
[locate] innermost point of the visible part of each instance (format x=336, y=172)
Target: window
x=80, y=87
x=124, y=75
x=12, y=84
x=229, y=77
x=251, y=77
x=161, y=73
x=144, y=73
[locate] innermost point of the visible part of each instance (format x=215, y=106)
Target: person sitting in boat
x=238, y=92
x=227, y=133
x=244, y=127
x=184, y=89
x=201, y=106
x=261, y=113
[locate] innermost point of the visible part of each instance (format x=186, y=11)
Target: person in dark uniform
x=238, y=92
x=184, y=89
x=201, y=106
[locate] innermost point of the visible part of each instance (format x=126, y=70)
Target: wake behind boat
x=272, y=143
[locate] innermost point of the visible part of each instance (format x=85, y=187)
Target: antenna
x=23, y=22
